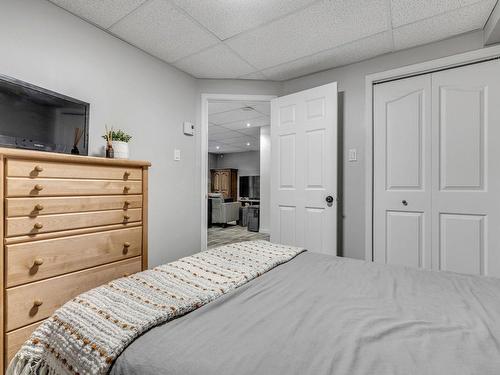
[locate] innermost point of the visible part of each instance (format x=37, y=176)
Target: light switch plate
x=177, y=155
x=353, y=154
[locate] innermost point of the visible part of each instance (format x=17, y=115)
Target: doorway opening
x=236, y=159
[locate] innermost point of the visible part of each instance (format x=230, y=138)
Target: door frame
x=427, y=67
x=205, y=99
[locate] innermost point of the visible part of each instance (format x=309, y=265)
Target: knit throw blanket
x=88, y=333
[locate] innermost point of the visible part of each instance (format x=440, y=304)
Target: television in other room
x=250, y=187
x=38, y=119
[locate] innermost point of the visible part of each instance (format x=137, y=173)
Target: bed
x=318, y=314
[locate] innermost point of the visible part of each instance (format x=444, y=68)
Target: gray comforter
x=323, y=315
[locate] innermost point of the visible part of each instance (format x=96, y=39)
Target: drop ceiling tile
x=353, y=52
x=239, y=141
x=160, y=29
x=99, y=12
x=233, y=116
x=261, y=107
x=252, y=132
x=254, y=123
x=256, y=76
x=214, y=129
x=226, y=18
x=408, y=11
x=215, y=62
x=224, y=106
x=222, y=136
x=444, y=26
x=334, y=22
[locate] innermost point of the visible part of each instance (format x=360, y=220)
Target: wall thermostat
x=188, y=128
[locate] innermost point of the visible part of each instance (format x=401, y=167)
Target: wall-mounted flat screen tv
x=38, y=119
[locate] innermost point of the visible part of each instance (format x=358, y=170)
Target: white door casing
x=402, y=172
x=304, y=169
x=452, y=218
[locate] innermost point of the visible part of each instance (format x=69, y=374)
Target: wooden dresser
x=70, y=223
x=225, y=181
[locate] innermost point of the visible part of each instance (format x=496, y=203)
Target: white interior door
x=304, y=169
x=466, y=169
x=402, y=172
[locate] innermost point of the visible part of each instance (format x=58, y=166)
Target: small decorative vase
x=110, y=154
x=121, y=149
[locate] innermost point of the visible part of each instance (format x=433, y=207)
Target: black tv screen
x=250, y=187
x=38, y=119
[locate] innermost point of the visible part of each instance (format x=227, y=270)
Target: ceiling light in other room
x=248, y=125
x=248, y=143
x=217, y=147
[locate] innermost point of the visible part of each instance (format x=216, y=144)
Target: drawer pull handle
x=126, y=217
x=126, y=244
x=37, y=262
x=126, y=188
x=37, y=303
x=126, y=274
x=38, y=225
x=127, y=203
x=39, y=207
x=38, y=168
x=38, y=187
x=126, y=173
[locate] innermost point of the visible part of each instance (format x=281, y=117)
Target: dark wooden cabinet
x=225, y=181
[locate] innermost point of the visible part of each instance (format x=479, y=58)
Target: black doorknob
x=405, y=203
x=329, y=199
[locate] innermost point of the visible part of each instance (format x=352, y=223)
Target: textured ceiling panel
x=258, y=76
x=99, y=12
x=255, y=122
x=343, y=55
x=160, y=29
x=215, y=62
x=407, y=11
x=226, y=18
x=433, y=29
x=224, y=106
x=232, y=116
x=321, y=26
x=277, y=39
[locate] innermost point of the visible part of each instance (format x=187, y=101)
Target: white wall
x=351, y=81
x=126, y=88
x=247, y=163
x=265, y=178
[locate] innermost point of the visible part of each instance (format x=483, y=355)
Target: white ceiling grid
x=277, y=39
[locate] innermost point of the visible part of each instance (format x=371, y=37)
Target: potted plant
x=118, y=140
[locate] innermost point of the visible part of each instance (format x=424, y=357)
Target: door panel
x=461, y=247
x=462, y=128
x=466, y=174
x=402, y=173
x=304, y=169
x=405, y=238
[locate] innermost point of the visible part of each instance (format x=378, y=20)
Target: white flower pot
x=120, y=149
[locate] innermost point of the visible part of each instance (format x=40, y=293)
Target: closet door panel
x=466, y=172
x=402, y=174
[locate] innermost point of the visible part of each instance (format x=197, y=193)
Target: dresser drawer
x=15, y=339
x=29, y=303
x=26, y=187
x=17, y=226
x=37, y=169
x=34, y=206
x=36, y=260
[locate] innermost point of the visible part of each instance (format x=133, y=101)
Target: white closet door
x=466, y=169
x=304, y=169
x=402, y=172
